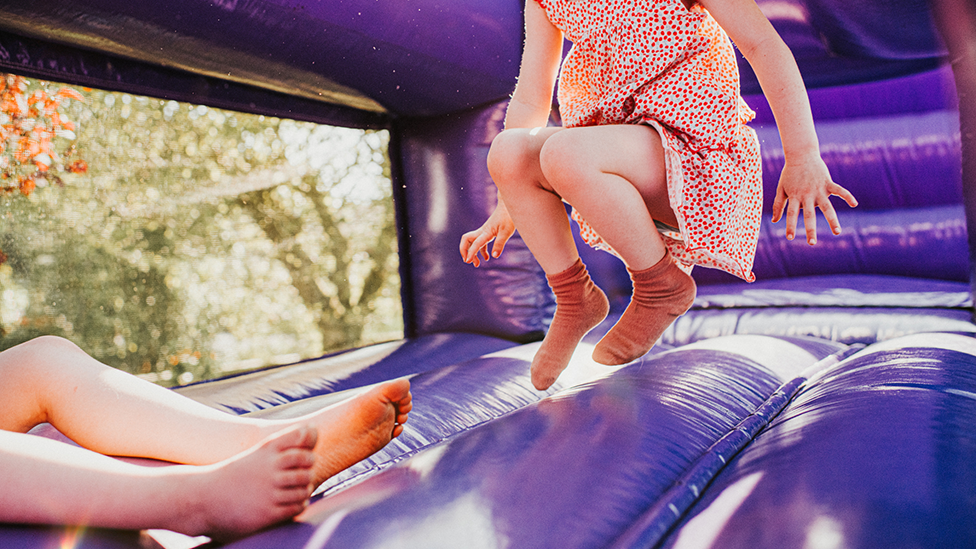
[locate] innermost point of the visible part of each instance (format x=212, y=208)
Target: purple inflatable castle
x=832, y=403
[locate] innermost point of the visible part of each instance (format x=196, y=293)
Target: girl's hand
x=499, y=227
x=807, y=185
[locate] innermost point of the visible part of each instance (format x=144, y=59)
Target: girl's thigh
x=631, y=151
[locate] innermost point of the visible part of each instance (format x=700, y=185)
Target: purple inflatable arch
x=829, y=404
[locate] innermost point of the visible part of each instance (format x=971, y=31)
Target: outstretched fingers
x=836, y=190
x=827, y=208
x=809, y=204
x=829, y=213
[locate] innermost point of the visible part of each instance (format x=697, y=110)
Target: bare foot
x=264, y=485
x=352, y=430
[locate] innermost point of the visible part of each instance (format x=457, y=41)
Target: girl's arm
x=529, y=108
x=532, y=99
x=805, y=182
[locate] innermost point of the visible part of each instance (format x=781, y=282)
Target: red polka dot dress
x=658, y=63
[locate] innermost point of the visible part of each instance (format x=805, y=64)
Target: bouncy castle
x=829, y=404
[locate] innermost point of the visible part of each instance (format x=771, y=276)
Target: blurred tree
x=199, y=239
x=36, y=137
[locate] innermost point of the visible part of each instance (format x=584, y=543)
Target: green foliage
x=201, y=241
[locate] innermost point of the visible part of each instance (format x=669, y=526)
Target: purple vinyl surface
x=830, y=402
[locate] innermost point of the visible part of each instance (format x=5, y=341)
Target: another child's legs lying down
x=239, y=474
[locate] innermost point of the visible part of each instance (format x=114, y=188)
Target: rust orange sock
x=662, y=293
x=580, y=305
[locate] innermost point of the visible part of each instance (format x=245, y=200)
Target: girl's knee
x=52, y=343
x=38, y=351
x=563, y=154
x=33, y=360
x=510, y=156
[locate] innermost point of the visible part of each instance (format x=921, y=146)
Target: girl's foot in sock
x=662, y=293
x=580, y=305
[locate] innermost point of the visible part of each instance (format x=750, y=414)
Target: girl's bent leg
x=47, y=482
x=538, y=212
x=616, y=178
x=540, y=217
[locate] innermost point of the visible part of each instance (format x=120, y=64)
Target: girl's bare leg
x=536, y=209
x=540, y=216
x=48, y=482
x=51, y=380
x=614, y=175
x=616, y=178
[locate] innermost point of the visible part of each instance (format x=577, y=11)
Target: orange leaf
x=71, y=94
x=27, y=186
x=78, y=166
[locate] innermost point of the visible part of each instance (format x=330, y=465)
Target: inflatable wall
x=828, y=404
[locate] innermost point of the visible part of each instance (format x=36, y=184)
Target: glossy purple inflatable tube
x=878, y=451
x=616, y=443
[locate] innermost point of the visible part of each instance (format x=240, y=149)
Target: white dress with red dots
x=659, y=63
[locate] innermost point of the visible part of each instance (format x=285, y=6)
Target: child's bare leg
x=47, y=482
x=615, y=177
x=50, y=379
x=540, y=216
x=538, y=212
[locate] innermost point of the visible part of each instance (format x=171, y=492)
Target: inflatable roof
x=829, y=404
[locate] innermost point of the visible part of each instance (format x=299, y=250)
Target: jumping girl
x=654, y=156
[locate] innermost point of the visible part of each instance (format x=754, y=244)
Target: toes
x=296, y=458
x=303, y=436
x=541, y=382
x=397, y=391
x=310, y=436
x=405, y=405
x=289, y=509
x=294, y=479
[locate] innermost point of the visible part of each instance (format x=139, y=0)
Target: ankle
x=575, y=272
x=663, y=280
x=187, y=499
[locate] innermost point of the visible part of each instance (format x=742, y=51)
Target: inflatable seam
x=655, y=524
